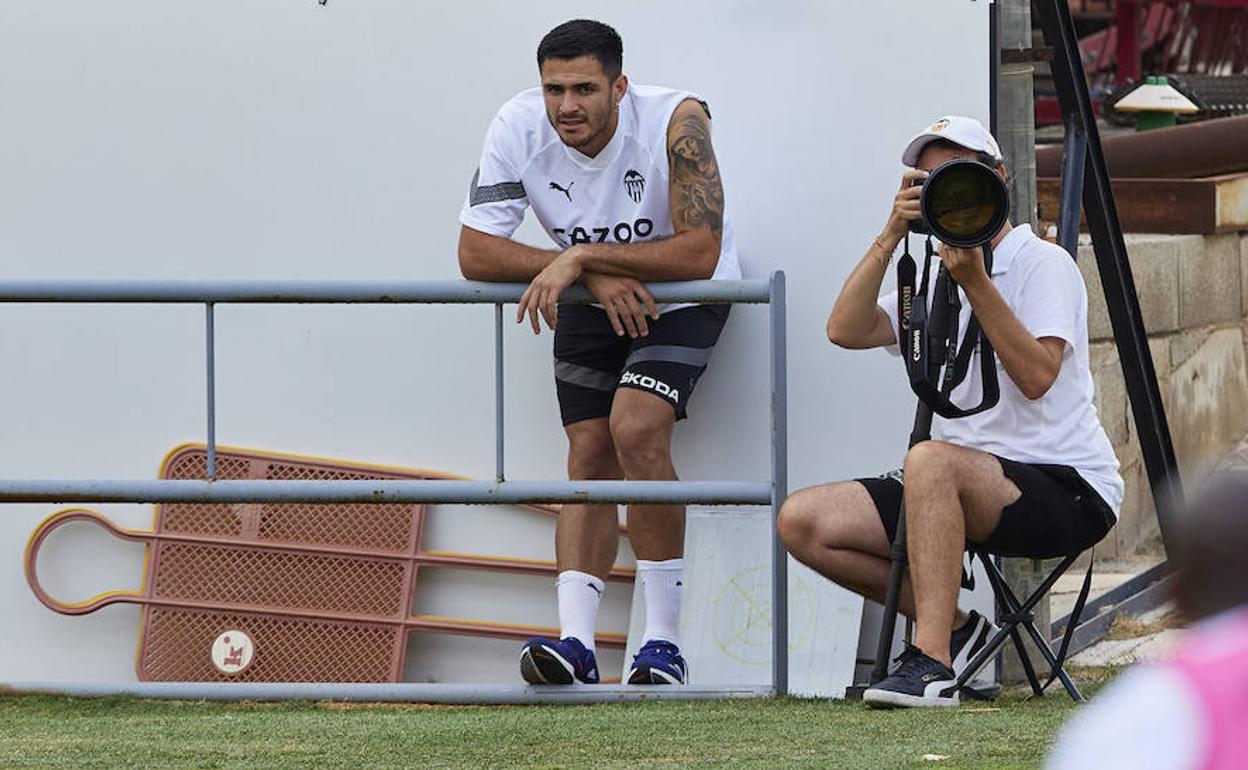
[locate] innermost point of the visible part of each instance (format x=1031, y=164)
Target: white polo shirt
x=1040, y=282
x=618, y=196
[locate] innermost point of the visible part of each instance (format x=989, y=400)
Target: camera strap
x=930, y=337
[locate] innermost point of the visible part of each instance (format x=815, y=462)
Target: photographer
x=1034, y=476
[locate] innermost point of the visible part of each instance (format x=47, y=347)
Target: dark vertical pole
x=994, y=68
x=1074, y=157
x=1115, y=270
x=921, y=431
x=1128, y=53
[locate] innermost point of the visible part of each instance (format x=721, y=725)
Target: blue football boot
x=549, y=661
x=658, y=662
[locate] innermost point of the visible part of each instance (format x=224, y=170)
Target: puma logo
x=565, y=190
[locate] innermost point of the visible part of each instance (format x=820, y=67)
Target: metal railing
x=210, y=294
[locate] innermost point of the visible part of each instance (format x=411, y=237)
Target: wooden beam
x=1205, y=206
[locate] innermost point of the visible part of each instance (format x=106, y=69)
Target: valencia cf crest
x=635, y=184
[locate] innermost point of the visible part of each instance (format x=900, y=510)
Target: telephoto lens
x=964, y=203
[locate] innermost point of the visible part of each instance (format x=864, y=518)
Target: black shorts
x=591, y=361
x=1058, y=513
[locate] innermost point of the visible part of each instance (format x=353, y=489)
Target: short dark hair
x=584, y=37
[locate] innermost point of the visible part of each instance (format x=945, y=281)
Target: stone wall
x=1193, y=293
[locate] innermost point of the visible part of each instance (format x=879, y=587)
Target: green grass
x=47, y=731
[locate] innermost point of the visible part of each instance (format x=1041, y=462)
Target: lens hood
x=964, y=202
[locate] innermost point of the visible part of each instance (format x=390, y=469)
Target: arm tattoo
x=697, y=193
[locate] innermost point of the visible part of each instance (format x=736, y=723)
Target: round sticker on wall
x=232, y=652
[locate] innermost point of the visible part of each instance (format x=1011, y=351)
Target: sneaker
x=967, y=641
x=547, y=661
x=919, y=681
x=658, y=662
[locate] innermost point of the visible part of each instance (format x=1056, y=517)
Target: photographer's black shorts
x=1057, y=514
x=591, y=361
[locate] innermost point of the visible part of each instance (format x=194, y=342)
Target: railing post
x=498, y=391
x=779, y=487
x=211, y=377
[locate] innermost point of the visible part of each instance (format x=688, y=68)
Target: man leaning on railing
x=624, y=180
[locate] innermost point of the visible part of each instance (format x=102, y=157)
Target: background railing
x=211, y=293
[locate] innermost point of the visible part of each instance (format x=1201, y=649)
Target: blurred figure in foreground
x=1190, y=709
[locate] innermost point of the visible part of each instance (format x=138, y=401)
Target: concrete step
x=1105, y=577
x=1146, y=638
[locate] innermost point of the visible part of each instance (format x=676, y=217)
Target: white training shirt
x=1040, y=282
x=618, y=196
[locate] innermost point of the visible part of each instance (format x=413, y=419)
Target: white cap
x=959, y=129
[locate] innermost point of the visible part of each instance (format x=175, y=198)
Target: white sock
x=661, y=583
x=579, y=594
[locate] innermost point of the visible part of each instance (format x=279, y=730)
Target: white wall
x=158, y=139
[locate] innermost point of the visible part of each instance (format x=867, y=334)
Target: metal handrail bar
x=382, y=491
x=390, y=692
x=339, y=292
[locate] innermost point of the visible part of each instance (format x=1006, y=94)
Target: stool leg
x=1025, y=659
x=983, y=656
x=1047, y=652
x=888, y=623
x=1014, y=615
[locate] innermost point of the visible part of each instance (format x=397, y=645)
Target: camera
x=964, y=203
x=919, y=226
